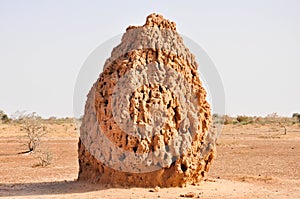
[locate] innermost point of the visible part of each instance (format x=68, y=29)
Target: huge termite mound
x=147, y=121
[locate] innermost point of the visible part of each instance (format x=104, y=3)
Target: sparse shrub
x=217, y=119
x=241, y=118
x=215, y=115
x=244, y=119
x=44, y=158
x=52, y=118
x=228, y=120
x=272, y=118
x=272, y=115
x=32, y=125
x=223, y=119
x=284, y=125
x=258, y=120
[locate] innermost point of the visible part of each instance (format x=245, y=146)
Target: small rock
x=189, y=195
x=156, y=189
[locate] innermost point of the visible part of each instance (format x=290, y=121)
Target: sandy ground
x=253, y=161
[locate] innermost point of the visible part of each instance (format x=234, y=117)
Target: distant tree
x=4, y=117
x=284, y=124
x=32, y=124
x=297, y=115
x=34, y=129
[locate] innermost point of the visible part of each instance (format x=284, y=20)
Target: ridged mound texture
x=166, y=118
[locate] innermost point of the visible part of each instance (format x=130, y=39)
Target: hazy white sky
x=255, y=46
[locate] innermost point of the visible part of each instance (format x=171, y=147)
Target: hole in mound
x=167, y=148
x=202, y=173
x=174, y=158
x=134, y=149
x=183, y=167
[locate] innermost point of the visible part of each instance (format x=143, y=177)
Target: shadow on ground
x=47, y=188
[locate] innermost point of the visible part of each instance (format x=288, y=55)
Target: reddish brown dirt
x=252, y=162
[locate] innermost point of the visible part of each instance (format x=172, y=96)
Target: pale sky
x=255, y=46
